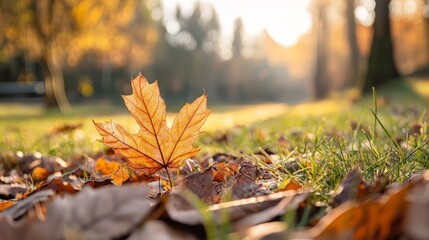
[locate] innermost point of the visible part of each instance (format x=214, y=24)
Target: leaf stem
x=169, y=177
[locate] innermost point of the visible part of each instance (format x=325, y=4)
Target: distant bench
x=20, y=89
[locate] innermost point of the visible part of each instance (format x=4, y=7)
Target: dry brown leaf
x=373, y=218
x=21, y=207
x=245, y=185
x=58, y=186
x=115, y=170
x=243, y=213
x=67, y=127
x=417, y=219
x=201, y=184
x=160, y=230
x=6, y=204
x=105, y=213
x=39, y=174
x=155, y=146
x=10, y=191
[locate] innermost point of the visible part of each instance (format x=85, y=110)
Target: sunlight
x=285, y=21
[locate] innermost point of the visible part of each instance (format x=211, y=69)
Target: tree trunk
x=381, y=63
x=355, y=66
x=321, y=80
x=54, y=82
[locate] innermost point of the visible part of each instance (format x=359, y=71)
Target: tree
x=237, y=41
x=236, y=63
x=54, y=31
x=355, y=66
x=426, y=16
x=381, y=63
x=199, y=32
x=321, y=25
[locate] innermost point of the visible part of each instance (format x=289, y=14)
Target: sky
x=284, y=20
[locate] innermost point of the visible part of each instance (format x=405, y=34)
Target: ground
x=378, y=139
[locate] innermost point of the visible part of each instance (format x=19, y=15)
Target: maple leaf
x=155, y=146
x=113, y=169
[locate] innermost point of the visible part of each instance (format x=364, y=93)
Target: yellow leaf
x=120, y=176
x=6, y=204
x=105, y=167
x=155, y=146
x=39, y=174
x=116, y=171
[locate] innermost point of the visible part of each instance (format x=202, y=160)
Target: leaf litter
x=49, y=198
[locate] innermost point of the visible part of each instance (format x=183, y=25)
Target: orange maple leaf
x=113, y=169
x=155, y=146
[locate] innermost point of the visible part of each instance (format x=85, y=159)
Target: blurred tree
x=55, y=32
x=237, y=41
x=236, y=63
x=321, y=26
x=381, y=63
x=426, y=16
x=199, y=34
x=355, y=65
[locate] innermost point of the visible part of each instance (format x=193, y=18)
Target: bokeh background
x=62, y=53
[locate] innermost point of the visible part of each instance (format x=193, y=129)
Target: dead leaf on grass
x=155, y=146
x=354, y=187
x=115, y=170
x=6, y=204
x=58, y=186
x=243, y=213
x=265, y=231
x=417, y=219
x=160, y=230
x=65, y=128
x=39, y=174
x=105, y=213
x=245, y=185
x=10, y=191
x=21, y=207
x=375, y=218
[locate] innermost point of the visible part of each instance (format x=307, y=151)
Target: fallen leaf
x=115, y=170
x=105, y=167
x=67, y=127
x=417, y=218
x=105, y=213
x=222, y=171
x=374, y=218
x=415, y=129
x=39, y=174
x=269, y=230
x=9, y=191
x=160, y=230
x=58, y=186
x=242, y=213
x=201, y=184
x=245, y=186
x=6, y=204
x=155, y=146
x=21, y=207
x=97, y=183
x=354, y=187
x=289, y=184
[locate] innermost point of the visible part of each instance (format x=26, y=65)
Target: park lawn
x=28, y=129
x=326, y=139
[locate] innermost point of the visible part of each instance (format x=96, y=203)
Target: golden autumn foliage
x=113, y=169
x=155, y=146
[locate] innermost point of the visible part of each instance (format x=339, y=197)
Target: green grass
x=322, y=138
x=27, y=128
x=318, y=135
